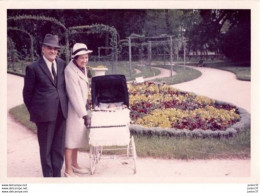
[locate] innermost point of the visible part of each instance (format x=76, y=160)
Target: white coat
x=77, y=90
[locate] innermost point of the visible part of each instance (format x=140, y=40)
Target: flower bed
x=162, y=107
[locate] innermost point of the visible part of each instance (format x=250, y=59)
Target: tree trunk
x=167, y=21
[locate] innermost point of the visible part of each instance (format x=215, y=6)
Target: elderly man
x=45, y=97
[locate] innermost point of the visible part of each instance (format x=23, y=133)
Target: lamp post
x=171, y=50
x=183, y=45
x=184, y=52
x=130, y=56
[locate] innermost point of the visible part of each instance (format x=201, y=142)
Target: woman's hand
x=87, y=121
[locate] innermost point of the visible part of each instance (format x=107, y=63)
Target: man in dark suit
x=45, y=97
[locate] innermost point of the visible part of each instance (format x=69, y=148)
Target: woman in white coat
x=78, y=119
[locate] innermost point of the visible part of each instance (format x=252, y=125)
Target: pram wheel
x=94, y=155
x=133, y=152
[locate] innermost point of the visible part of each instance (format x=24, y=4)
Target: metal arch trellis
x=154, y=38
x=31, y=39
x=34, y=17
x=100, y=28
x=49, y=19
x=103, y=48
x=95, y=28
x=13, y=54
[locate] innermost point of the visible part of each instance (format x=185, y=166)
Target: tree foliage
x=227, y=31
x=236, y=41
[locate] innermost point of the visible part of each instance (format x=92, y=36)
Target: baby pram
x=109, y=130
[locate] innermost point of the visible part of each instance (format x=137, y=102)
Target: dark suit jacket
x=41, y=96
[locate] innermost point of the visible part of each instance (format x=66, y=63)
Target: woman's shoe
x=69, y=175
x=80, y=171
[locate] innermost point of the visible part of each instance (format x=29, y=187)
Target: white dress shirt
x=49, y=65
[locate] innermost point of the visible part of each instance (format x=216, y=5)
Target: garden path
x=23, y=159
x=220, y=85
x=163, y=73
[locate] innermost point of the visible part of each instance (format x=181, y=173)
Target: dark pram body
x=109, y=89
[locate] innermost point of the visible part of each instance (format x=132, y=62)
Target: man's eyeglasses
x=51, y=48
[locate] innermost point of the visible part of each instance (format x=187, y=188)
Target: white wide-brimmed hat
x=80, y=49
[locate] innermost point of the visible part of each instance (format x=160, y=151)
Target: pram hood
x=109, y=89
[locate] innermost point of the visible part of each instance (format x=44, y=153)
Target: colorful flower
x=159, y=105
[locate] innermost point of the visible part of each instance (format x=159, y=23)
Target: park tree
x=169, y=21
x=236, y=40
x=225, y=30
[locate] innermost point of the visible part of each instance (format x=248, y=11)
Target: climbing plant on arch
x=101, y=29
x=48, y=19
x=103, y=48
x=30, y=36
x=88, y=29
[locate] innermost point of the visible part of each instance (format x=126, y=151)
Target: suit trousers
x=51, y=138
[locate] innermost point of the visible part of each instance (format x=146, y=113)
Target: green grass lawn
x=183, y=74
x=21, y=114
x=194, y=148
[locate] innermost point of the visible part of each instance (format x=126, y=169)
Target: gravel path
x=220, y=85
x=163, y=73
x=23, y=153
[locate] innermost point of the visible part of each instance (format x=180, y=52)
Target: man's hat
x=51, y=40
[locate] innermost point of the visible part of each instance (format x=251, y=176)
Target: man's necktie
x=54, y=73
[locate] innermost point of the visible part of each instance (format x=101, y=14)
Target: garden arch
x=31, y=39
x=12, y=55
x=103, y=48
x=101, y=28
x=164, y=38
x=49, y=19
x=96, y=28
